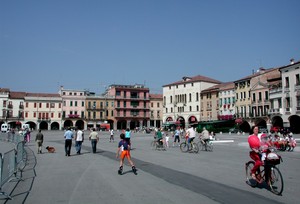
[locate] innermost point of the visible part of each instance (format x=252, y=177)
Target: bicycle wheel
x=153, y=144
x=276, y=181
x=195, y=147
x=209, y=147
x=249, y=180
x=184, y=147
x=201, y=146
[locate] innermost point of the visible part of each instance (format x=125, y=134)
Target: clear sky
x=90, y=44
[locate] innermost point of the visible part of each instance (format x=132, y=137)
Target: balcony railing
x=21, y=106
x=10, y=106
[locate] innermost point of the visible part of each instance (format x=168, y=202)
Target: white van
x=5, y=127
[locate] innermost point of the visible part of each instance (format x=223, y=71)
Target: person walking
x=94, y=138
x=68, y=141
x=79, y=137
x=176, y=136
x=39, y=139
x=124, y=149
x=111, y=135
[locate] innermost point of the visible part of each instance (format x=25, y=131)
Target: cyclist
x=205, y=136
x=255, y=143
x=159, y=137
x=191, y=133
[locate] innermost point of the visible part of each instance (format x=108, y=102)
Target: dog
x=50, y=149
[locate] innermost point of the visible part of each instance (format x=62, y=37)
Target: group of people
x=78, y=136
x=190, y=134
x=260, y=145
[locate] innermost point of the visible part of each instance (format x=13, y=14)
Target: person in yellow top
x=94, y=138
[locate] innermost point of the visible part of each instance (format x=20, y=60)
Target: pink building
x=131, y=106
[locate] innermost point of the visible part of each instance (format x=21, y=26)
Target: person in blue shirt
x=124, y=149
x=68, y=141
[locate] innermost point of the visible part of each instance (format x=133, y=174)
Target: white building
x=290, y=76
x=182, y=100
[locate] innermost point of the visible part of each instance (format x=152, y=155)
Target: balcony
x=275, y=111
x=10, y=106
x=73, y=116
x=21, y=106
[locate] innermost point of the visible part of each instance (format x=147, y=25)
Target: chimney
x=292, y=61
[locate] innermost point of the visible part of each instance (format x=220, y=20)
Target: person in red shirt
x=254, y=143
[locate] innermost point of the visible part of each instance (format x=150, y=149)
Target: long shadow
x=218, y=192
x=21, y=187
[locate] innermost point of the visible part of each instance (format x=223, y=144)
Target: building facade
x=131, y=106
x=156, y=110
x=226, y=101
x=182, y=101
x=43, y=111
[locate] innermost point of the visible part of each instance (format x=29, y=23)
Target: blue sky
x=89, y=44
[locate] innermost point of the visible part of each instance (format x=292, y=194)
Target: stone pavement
x=163, y=177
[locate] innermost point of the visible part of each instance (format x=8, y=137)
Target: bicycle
x=205, y=145
x=157, y=145
x=184, y=147
x=270, y=173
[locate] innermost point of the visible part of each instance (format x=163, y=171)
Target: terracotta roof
x=42, y=95
x=197, y=78
x=155, y=96
x=17, y=95
x=295, y=63
x=227, y=86
x=4, y=90
x=263, y=71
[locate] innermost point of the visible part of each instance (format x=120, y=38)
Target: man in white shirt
x=191, y=134
x=78, y=140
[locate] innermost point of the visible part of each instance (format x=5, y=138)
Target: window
x=71, y=103
x=52, y=105
x=190, y=97
x=190, y=108
x=40, y=105
x=82, y=103
x=75, y=94
x=26, y=104
x=287, y=82
x=157, y=105
x=267, y=95
x=259, y=96
x=34, y=105
x=151, y=105
x=171, y=100
x=253, y=97
x=118, y=93
x=297, y=79
x=75, y=103
x=197, y=96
